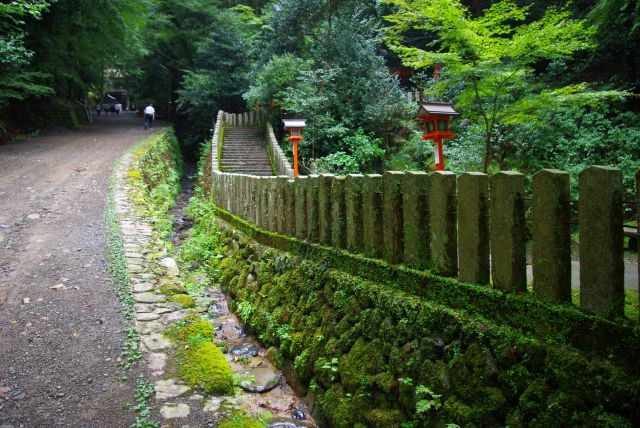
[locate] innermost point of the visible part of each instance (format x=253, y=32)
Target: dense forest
x=538, y=83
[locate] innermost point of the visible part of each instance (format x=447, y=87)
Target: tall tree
x=490, y=59
x=17, y=82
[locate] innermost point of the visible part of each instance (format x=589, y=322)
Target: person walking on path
x=98, y=108
x=149, y=116
x=117, y=107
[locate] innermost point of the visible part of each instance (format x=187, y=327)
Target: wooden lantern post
x=295, y=126
x=436, y=118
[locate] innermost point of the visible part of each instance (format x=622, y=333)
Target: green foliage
x=489, y=60
x=334, y=74
x=276, y=79
x=199, y=362
x=155, y=178
x=203, y=365
x=362, y=154
x=184, y=299
x=192, y=325
x=144, y=392
x=427, y=400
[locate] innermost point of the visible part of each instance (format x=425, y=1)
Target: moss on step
x=185, y=300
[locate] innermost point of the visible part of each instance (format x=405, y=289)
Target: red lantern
x=295, y=126
x=435, y=117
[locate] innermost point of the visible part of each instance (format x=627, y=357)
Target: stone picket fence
x=250, y=119
x=472, y=227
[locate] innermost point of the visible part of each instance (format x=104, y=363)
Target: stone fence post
x=415, y=216
x=312, y=208
x=353, y=211
x=392, y=220
x=442, y=217
x=300, y=184
x=338, y=236
x=473, y=228
x=550, y=224
x=508, y=232
x=601, y=241
x=324, y=208
x=372, y=213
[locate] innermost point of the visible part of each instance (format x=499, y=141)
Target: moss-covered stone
x=204, y=366
x=241, y=422
x=367, y=341
x=385, y=418
x=184, y=299
x=192, y=326
x=172, y=287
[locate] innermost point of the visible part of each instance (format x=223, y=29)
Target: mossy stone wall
x=369, y=353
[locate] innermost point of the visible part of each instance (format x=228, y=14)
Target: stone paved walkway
x=176, y=404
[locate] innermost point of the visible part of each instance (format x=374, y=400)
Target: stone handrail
x=472, y=227
x=250, y=119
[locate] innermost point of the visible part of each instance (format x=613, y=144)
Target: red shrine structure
x=436, y=118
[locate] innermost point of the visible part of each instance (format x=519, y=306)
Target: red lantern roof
x=436, y=108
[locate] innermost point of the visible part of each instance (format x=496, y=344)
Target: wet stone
x=171, y=411
x=169, y=389
x=288, y=423
x=213, y=405
x=175, y=316
x=144, y=317
x=155, y=342
x=143, y=308
x=142, y=287
x=260, y=379
x=245, y=350
x=156, y=361
x=148, y=298
x=170, y=264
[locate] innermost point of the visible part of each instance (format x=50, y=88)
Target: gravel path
x=60, y=346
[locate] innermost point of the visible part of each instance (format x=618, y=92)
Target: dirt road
x=59, y=349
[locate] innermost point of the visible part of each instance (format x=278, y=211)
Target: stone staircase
x=244, y=152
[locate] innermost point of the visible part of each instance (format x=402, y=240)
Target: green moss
x=170, y=288
x=191, y=326
x=245, y=423
x=184, y=299
x=384, y=418
x=366, y=344
x=204, y=366
x=364, y=359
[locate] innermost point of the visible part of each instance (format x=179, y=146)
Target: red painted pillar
x=295, y=157
x=438, y=154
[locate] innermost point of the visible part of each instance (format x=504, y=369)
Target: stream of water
x=264, y=389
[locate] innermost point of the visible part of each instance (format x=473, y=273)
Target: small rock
x=171, y=411
x=142, y=287
x=245, y=350
x=33, y=216
x=145, y=316
x=58, y=287
x=299, y=415
x=156, y=361
x=26, y=301
x=155, y=342
x=213, y=405
x=260, y=379
x=170, y=264
x=4, y=226
x=169, y=389
x=148, y=298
